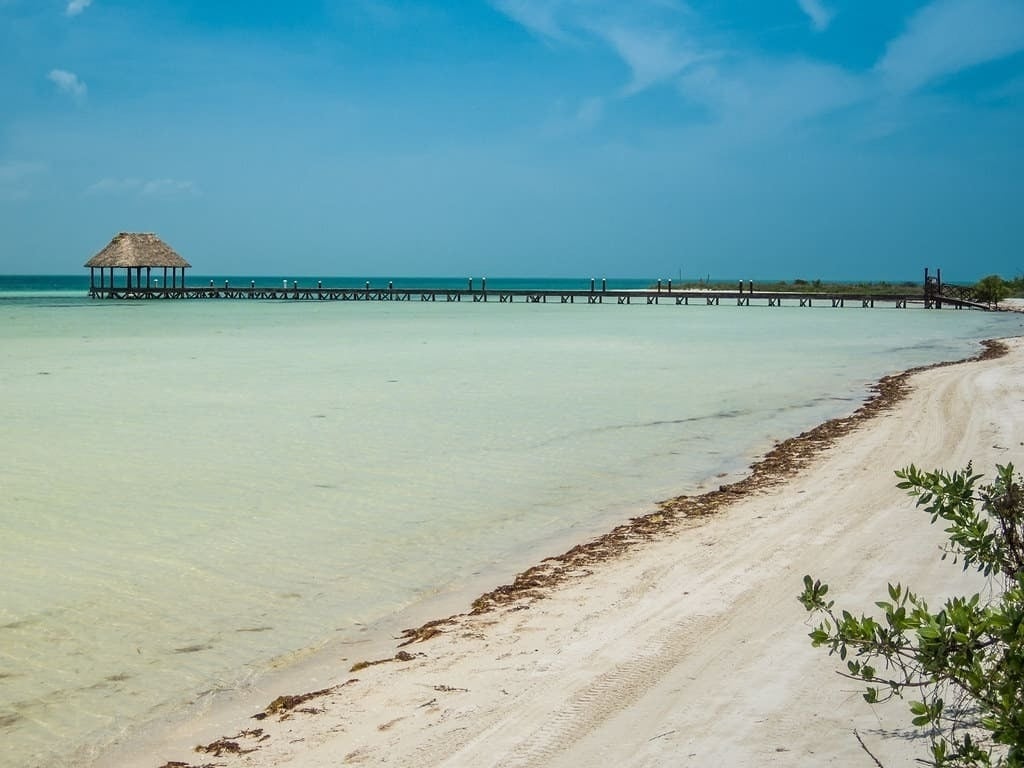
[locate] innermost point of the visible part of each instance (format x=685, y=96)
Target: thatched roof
x=137, y=249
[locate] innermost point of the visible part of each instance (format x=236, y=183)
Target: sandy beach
x=676, y=640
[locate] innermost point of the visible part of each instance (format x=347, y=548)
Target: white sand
x=689, y=650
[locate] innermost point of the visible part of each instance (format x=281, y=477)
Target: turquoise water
x=195, y=491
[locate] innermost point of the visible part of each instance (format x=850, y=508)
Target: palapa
x=137, y=249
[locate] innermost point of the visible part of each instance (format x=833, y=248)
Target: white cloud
x=590, y=112
x=948, y=36
x=819, y=15
x=538, y=16
x=148, y=188
x=115, y=186
x=75, y=7
x=760, y=97
x=169, y=188
x=16, y=179
x=573, y=118
x=68, y=82
x=652, y=56
x=648, y=36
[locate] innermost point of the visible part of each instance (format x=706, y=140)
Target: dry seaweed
x=400, y=656
x=283, y=705
x=425, y=631
x=230, y=745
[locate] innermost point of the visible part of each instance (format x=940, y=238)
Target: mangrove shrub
x=960, y=668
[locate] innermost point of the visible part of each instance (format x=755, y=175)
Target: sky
x=782, y=139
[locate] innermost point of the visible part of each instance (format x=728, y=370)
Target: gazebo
x=138, y=251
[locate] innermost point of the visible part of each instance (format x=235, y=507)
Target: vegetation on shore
x=962, y=667
x=800, y=285
x=990, y=289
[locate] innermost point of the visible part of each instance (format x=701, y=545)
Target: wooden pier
x=664, y=295
x=135, y=252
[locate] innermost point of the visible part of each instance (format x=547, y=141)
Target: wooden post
x=591, y=285
x=670, y=285
x=659, y=286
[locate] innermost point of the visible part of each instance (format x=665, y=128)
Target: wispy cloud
x=169, y=188
x=537, y=16
x=590, y=111
x=573, y=118
x=68, y=82
x=649, y=36
x=948, y=36
x=75, y=7
x=762, y=97
x=144, y=187
x=816, y=11
x=652, y=56
x=747, y=95
x=16, y=179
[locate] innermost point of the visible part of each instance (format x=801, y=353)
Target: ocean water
x=195, y=492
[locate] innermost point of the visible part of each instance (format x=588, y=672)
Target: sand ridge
x=684, y=644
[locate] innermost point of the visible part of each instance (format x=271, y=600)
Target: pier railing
x=593, y=295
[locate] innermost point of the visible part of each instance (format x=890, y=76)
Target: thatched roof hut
x=138, y=251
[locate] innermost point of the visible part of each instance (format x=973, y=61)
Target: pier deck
x=524, y=295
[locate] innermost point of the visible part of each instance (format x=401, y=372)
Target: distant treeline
x=800, y=285
x=991, y=289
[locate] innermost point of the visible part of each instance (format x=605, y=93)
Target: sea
x=197, y=494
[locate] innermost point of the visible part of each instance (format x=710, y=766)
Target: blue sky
x=827, y=139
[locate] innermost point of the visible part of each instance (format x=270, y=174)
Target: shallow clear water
x=191, y=490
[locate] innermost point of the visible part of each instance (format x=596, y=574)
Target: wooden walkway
x=527, y=296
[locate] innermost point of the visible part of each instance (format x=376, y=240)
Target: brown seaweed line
x=778, y=465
